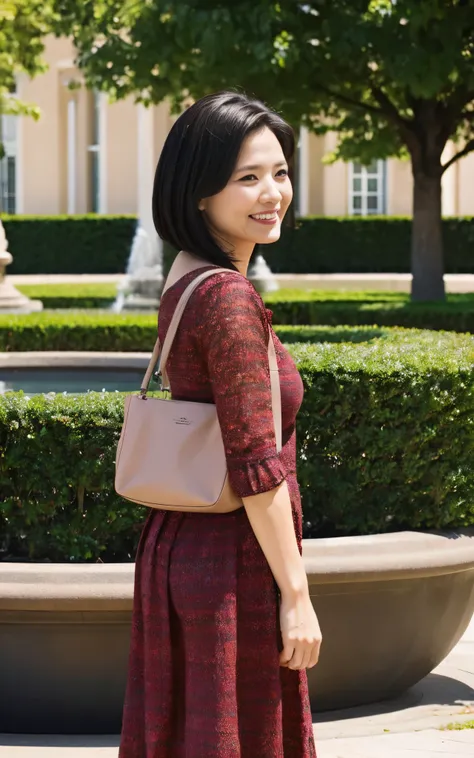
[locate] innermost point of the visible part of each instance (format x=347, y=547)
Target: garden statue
x=12, y=301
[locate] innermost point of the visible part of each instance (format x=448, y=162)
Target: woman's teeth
x=264, y=216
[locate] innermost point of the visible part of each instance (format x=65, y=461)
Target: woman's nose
x=271, y=192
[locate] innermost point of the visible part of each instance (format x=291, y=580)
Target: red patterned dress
x=204, y=678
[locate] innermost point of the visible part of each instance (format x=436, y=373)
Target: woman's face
x=250, y=208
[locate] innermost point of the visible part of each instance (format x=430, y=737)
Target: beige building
x=86, y=155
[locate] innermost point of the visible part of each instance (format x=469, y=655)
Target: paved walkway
x=379, y=282
x=409, y=727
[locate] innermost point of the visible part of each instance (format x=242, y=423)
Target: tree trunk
x=427, y=240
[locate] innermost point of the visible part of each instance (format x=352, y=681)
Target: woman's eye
x=253, y=178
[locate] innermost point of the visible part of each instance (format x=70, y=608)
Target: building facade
x=87, y=155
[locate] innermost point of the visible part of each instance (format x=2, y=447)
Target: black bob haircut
x=197, y=161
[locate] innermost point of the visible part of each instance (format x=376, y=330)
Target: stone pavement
x=408, y=727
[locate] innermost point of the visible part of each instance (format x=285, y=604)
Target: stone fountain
x=143, y=283
x=12, y=301
x=262, y=277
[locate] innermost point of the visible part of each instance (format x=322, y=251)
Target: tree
x=23, y=25
x=392, y=77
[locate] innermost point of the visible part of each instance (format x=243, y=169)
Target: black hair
x=197, y=161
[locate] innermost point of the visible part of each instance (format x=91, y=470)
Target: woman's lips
x=266, y=221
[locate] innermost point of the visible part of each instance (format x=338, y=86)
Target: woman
x=223, y=626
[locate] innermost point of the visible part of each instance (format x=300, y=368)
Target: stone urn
x=391, y=607
x=12, y=301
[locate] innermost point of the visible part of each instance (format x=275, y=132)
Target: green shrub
x=78, y=331
x=371, y=244
x=106, y=332
x=101, y=244
x=385, y=441
x=457, y=314
x=127, y=332
x=103, y=294
x=72, y=295
x=89, y=244
x=56, y=479
x=360, y=244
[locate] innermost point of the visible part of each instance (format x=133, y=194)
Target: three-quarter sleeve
x=234, y=342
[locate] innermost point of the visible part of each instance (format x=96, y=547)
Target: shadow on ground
x=433, y=690
x=65, y=740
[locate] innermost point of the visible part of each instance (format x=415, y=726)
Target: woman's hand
x=300, y=632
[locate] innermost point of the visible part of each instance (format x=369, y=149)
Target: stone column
x=304, y=169
x=71, y=153
x=146, y=161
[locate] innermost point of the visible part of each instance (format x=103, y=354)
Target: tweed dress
x=204, y=679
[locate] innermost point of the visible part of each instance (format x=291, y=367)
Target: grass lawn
x=459, y=725
x=100, y=290
x=108, y=290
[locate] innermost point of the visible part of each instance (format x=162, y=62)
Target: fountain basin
x=72, y=372
x=391, y=608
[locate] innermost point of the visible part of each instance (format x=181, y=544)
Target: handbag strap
x=163, y=353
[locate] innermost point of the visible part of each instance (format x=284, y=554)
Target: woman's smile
x=269, y=218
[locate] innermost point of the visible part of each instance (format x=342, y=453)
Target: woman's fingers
x=297, y=660
x=286, y=654
x=314, y=658
x=306, y=659
x=300, y=657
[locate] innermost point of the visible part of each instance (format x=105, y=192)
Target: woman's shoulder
x=226, y=294
x=228, y=290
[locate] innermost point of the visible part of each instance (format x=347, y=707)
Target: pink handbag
x=171, y=453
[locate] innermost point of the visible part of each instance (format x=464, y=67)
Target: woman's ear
x=202, y=205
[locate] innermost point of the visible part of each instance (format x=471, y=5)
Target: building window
x=94, y=154
x=8, y=136
x=367, y=189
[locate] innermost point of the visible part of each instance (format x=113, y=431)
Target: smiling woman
x=226, y=159
x=252, y=205
x=223, y=625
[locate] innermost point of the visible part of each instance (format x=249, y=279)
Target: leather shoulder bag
x=171, y=453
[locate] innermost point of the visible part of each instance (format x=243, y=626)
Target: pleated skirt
x=204, y=679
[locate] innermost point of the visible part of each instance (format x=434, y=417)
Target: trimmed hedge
x=115, y=332
x=370, y=244
x=103, y=294
x=101, y=244
x=72, y=295
x=88, y=244
x=385, y=442
x=456, y=314
x=128, y=332
x=359, y=244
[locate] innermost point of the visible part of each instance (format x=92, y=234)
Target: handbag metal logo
x=182, y=420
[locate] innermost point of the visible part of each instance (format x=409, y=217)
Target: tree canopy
x=392, y=77
x=23, y=26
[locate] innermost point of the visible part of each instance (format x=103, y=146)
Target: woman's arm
x=233, y=333
x=271, y=519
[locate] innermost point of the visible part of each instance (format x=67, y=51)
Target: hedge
x=370, y=244
x=88, y=244
x=385, y=441
x=129, y=332
x=121, y=332
x=360, y=244
x=102, y=295
x=71, y=296
x=101, y=244
x=456, y=314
